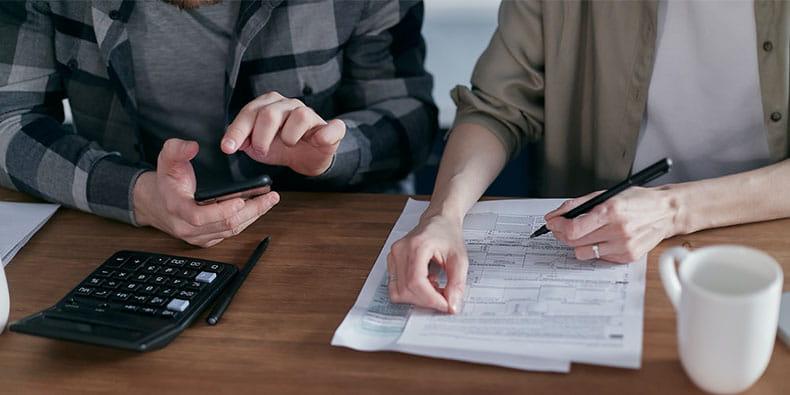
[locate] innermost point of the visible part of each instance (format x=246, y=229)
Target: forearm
x=472, y=160
x=752, y=196
x=48, y=161
x=380, y=145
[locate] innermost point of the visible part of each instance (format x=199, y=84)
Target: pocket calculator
x=135, y=300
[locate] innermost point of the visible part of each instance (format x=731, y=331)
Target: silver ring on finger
x=596, y=251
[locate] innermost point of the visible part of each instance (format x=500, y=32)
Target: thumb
x=329, y=134
x=174, y=158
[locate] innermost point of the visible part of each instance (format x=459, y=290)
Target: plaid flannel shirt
x=359, y=61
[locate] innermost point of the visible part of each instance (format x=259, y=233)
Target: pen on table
x=643, y=177
x=230, y=292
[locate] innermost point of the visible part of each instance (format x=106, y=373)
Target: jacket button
x=115, y=15
x=73, y=64
x=768, y=46
x=776, y=116
x=307, y=91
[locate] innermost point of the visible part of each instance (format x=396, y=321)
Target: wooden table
x=275, y=336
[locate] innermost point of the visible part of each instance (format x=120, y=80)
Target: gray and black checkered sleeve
x=385, y=97
x=38, y=155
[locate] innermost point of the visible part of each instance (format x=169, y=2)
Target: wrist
x=675, y=199
x=142, y=197
x=445, y=211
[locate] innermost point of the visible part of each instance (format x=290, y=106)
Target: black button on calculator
x=134, y=300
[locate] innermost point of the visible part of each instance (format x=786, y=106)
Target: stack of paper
x=529, y=303
x=18, y=223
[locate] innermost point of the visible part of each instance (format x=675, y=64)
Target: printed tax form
x=529, y=304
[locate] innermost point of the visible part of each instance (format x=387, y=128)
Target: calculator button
x=195, y=265
x=158, y=280
x=149, y=289
x=168, y=292
x=141, y=277
x=206, y=277
x=195, y=285
x=186, y=294
x=149, y=310
x=178, y=305
x=170, y=271
x=120, y=295
x=151, y=269
x=177, y=262
x=122, y=275
x=116, y=261
x=104, y=273
x=130, y=286
x=133, y=263
x=168, y=314
x=112, y=284
x=130, y=308
x=176, y=282
x=101, y=293
x=158, y=260
x=186, y=273
x=139, y=299
x=213, y=267
x=94, y=281
x=157, y=301
x=84, y=291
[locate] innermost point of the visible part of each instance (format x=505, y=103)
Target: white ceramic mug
x=5, y=300
x=727, y=300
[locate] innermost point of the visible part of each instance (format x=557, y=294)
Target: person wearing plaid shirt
x=319, y=94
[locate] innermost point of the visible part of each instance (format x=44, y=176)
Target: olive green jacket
x=569, y=79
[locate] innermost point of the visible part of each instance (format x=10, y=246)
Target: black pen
x=643, y=177
x=230, y=291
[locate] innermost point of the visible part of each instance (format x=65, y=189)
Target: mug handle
x=4, y=299
x=669, y=275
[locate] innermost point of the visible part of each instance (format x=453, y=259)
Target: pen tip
x=212, y=321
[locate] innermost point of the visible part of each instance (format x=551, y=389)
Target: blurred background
x=456, y=32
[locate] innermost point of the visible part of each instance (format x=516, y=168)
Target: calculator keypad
x=152, y=285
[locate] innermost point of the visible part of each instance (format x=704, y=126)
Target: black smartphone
x=246, y=189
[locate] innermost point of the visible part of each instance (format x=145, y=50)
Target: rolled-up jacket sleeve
x=507, y=94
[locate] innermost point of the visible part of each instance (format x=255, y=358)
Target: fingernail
x=184, y=147
x=455, y=304
x=229, y=144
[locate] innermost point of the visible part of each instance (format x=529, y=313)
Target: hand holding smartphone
x=245, y=189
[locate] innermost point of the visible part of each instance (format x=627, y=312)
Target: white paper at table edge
x=5, y=299
x=549, y=365
x=11, y=252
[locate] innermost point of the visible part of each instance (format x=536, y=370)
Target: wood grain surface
x=275, y=336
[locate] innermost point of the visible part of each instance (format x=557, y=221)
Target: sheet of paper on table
x=529, y=304
x=18, y=223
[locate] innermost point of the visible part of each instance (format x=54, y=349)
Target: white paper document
x=18, y=223
x=529, y=303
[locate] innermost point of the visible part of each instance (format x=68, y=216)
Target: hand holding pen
x=620, y=224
